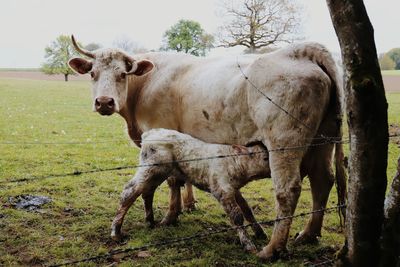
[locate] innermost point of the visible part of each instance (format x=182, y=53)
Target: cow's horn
x=80, y=50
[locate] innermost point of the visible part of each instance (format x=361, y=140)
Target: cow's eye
x=123, y=75
x=92, y=74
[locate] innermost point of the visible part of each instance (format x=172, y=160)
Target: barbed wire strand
x=201, y=235
x=77, y=172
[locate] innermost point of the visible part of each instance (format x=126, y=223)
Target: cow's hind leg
x=321, y=181
x=249, y=216
x=234, y=212
x=188, y=198
x=285, y=172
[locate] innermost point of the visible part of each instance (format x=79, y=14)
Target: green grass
x=77, y=223
x=391, y=72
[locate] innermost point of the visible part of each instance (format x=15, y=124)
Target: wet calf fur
x=222, y=177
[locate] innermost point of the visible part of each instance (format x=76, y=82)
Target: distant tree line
x=390, y=60
x=257, y=25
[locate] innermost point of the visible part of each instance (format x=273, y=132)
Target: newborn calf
x=223, y=177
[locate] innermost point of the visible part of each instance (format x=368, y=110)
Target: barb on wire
x=201, y=235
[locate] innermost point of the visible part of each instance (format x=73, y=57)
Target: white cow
x=210, y=99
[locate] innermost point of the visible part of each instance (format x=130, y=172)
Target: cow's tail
x=318, y=54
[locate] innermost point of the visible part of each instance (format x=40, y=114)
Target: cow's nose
x=104, y=105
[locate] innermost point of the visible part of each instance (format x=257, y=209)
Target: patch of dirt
x=392, y=83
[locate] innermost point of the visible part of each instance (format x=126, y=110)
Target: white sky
x=27, y=26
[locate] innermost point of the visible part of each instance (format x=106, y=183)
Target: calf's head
x=109, y=69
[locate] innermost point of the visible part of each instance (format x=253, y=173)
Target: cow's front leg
x=285, y=170
x=175, y=206
x=188, y=198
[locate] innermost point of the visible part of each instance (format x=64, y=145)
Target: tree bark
x=391, y=227
x=366, y=109
x=66, y=77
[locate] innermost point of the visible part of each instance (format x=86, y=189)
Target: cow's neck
x=135, y=86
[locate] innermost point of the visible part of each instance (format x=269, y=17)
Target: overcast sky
x=27, y=26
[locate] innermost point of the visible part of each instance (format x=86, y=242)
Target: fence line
x=79, y=172
x=202, y=235
x=76, y=172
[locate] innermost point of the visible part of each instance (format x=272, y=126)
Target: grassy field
x=391, y=72
x=76, y=224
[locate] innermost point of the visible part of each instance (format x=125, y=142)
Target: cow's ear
x=240, y=149
x=143, y=67
x=80, y=65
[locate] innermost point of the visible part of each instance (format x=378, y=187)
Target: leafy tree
x=187, y=36
x=258, y=23
x=386, y=62
x=57, y=55
x=394, y=54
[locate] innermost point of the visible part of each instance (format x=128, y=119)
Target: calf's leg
x=175, y=206
x=131, y=192
x=249, y=216
x=148, y=207
x=145, y=181
x=188, y=198
x=228, y=201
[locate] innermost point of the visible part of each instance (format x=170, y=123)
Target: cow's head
x=109, y=69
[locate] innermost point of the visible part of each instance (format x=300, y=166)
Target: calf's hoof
x=260, y=234
x=116, y=235
x=268, y=253
x=189, y=207
x=305, y=238
x=168, y=220
x=250, y=247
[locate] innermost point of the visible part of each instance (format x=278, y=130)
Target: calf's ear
x=143, y=67
x=240, y=149
x=80, y=65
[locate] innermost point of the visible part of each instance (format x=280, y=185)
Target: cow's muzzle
x=105, y=105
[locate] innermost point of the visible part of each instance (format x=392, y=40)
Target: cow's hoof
x=270, y=254
x=303, y=238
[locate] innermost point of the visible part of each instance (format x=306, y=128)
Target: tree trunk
x=391, y=226
x=366, y=109
x=66, y=77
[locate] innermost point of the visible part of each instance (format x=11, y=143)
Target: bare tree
x=368, y=129
x=259, y=23
x=92, y=46
x=128, y=45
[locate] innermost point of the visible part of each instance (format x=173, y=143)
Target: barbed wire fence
x=325, y=140
x=202, y=235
